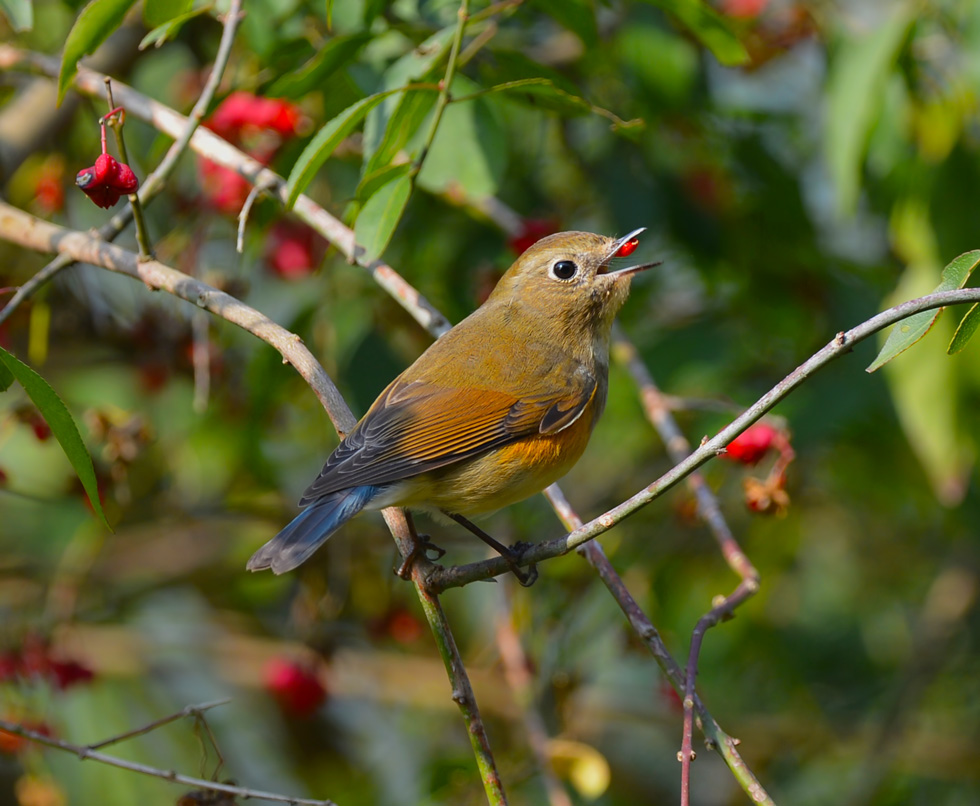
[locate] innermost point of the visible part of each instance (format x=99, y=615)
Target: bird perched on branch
x=494, y=411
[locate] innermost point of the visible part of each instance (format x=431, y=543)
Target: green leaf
x=319, y=149
x=338, y=52
x=371, y=183
x=94, y=24
x=909, y=331
x=469, y=152
x=5, y=377
x=709, y=27
x=19, y=13
x=419, y=64
x=964, y=331
x=159, y=12
x=170, y=29
x=544, y=93
x=379, y=217
x=411, y=111
x=859, y=73
x=56, y=413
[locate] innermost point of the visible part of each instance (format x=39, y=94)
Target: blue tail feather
x=310, y=529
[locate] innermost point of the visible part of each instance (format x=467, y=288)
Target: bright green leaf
x=57, y=416
x=170, y=29
x=94, y=24
x=469, y=152
x=855, y=89
x=379, y=217
x=404, y=122
x=709, y=27
x=339, y=51
x=319, y=149
x=909, y=331
x=19, y=13
x=159, y=12
x=964, y=331
x=373, y=181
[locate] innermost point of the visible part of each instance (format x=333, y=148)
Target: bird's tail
x=310, y=529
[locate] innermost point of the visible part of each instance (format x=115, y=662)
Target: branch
x=843, y=342
x=88, y=754
x=156, y=181
x=24, y=229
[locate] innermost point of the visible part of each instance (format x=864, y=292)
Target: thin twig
x=190, y=710
x=87, y=754
x=716, y=738
x=116, y=118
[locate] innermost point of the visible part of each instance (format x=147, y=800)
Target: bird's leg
x=421, y=546
x=511, y=555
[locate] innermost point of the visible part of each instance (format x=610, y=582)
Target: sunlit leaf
x=909, y=331
x=855, y=88
x=19, y=13
x=373, y=181
x=94, y=24
x=159, y=12
x=412, y=109
x=57, y=416
x=319, y=149
x=964, y=331
x=469, y=152
x=380, y=216
x=709, y=27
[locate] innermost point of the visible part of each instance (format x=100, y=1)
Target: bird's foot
x=513, y=556
x=423, y=545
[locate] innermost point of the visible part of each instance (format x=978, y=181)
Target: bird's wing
x=414, y=427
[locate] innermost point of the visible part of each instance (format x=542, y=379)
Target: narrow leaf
x=379, y=217
x=374, y=181
x=411, y=111
x=19, y=13
x=170, y=29
x=709, y=27
x=159, y=12
x=5, y=377
x=964, y=331
x=319, y=149
x=338, y=52
x=57, y=416
x=909, y=331
x=94, y=24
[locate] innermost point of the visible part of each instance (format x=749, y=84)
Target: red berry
x=295, y=686
x=293, y=250
x=628, y=248
x=751, y=445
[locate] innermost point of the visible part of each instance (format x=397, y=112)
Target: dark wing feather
x=416, y=427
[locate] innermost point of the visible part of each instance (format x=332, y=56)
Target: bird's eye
x=564, y=270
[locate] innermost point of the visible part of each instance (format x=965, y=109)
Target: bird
x=495, y=410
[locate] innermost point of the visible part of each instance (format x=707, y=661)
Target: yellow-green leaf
x=909, y=331
x=964, y=331
x=57, y=416
x=379, y=217
x=97, y=20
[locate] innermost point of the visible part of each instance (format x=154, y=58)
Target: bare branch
x=88, y=754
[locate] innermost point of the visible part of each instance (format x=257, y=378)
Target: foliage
x=791, y=194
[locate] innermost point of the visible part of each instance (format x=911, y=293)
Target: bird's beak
x=614, y=250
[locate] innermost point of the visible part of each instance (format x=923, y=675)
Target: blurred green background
x=831, y=172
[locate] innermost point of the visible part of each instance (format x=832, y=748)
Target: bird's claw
x=423, y=545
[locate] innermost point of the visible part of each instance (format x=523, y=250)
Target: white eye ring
x=564, y=269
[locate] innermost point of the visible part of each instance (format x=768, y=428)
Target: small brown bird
x=494, y=411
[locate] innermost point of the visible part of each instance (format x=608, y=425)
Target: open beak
x=614, y=250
